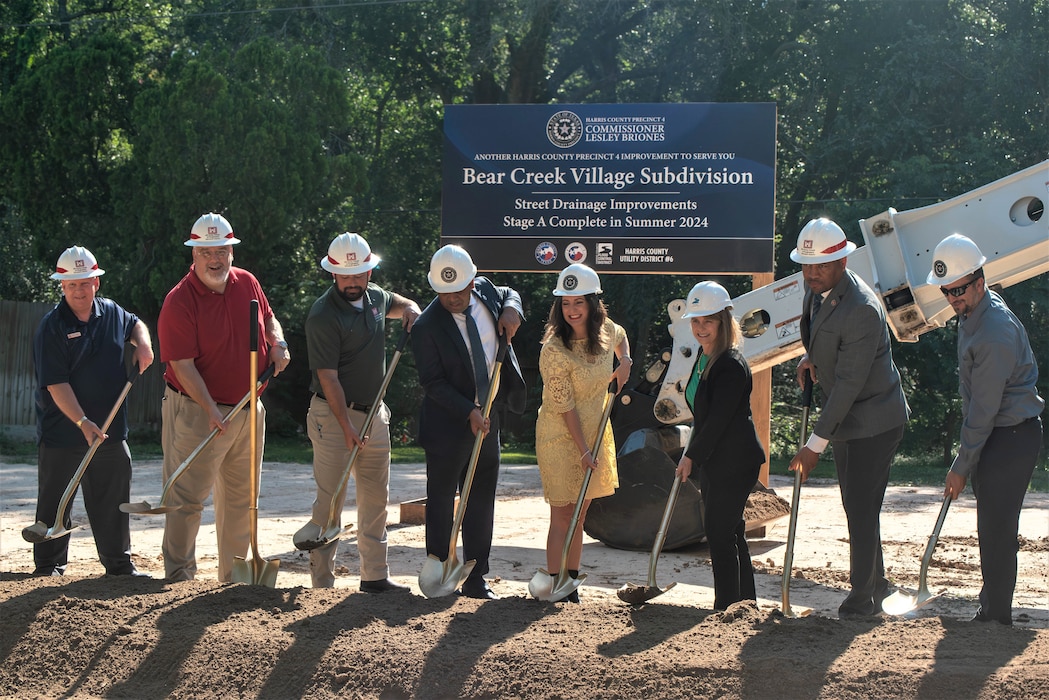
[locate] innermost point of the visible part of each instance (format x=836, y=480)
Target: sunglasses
x=958, y=291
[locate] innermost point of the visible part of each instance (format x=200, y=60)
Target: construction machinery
x=1005, y=218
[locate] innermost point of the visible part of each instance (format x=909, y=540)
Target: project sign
x=650, y=188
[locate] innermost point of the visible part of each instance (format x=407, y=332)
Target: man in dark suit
x=451, y=415
x=864, y=410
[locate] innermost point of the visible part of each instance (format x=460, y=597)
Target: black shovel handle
x=253, y=333
x=806, y=393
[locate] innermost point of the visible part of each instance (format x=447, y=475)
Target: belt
x=182, y=393
x=352, y=405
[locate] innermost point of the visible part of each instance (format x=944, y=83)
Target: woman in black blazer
x=724, y=454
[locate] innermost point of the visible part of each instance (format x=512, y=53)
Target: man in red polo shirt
x=204, y=339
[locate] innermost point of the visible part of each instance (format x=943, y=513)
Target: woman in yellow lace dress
x=576, y=365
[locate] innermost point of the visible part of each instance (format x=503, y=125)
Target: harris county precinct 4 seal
x=564, y=129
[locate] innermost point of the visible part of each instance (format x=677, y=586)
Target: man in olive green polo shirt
x=345, y=338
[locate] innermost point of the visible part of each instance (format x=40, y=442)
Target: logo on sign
x=546, y=253
x=576, y=252
x=564, y=129
x=604, y=254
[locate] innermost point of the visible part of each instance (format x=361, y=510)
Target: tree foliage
x=125, y=120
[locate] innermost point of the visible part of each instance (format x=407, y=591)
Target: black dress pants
x=863, y=475
x=445, y=476
x=106, y=484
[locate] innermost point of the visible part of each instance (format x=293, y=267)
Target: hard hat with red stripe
x=76, y=263
x=821, y=241
x=211, y=230
x=350, y=254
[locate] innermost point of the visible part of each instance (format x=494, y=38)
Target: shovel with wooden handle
x=634, y=594
x=39, y=531
x=308, y=537
x=143, y=507
x=543, y=585
x=439, y=578
x=795, y=500
x=901, y=602
x=257, y=571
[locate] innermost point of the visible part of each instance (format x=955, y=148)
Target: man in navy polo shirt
x=79, y=354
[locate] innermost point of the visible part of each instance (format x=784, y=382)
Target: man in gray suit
x=864, y=410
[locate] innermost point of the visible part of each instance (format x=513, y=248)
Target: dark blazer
x=849, y=345
x=723, y=434
x=446, y=373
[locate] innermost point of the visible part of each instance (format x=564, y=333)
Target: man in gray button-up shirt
x=1001, y=430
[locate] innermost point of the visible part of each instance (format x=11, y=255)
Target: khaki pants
x=225, y=464
x=371, y=474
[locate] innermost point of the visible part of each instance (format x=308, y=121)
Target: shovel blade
x=143, y=508
x=440, y=578
x=543, y=586
x=309, y=537
x=636, y=595
x=901, y=602
x=256, y=572
x=39, y=532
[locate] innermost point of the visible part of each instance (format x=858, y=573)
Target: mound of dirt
x=140, y=638
x=89, y=636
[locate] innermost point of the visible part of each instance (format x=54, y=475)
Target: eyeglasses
x=213, y=253
x=957, y=291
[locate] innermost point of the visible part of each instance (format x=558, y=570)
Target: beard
x=351, y=293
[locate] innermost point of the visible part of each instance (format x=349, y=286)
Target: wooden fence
x=19, y=321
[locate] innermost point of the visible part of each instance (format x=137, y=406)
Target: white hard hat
x=577, y=280
x=706, y=299
x=821, y=241
x=451, y=270
x=211, y=230
x=955, y=257
x=76, y=263
x=350, y=254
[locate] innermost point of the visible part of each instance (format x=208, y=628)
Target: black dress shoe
x=129, y=572
x=849, y=614
x=382, y=585
x=478, y=589
x=981, y=616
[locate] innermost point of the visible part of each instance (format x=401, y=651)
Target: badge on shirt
x=74, y=334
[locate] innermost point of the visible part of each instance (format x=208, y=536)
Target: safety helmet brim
x=367, y=266
x=212, y=244
x=804, y=259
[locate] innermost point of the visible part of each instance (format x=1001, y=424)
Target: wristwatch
x=80, y=422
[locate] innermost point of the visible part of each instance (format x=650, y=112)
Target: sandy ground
x=90, y=636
